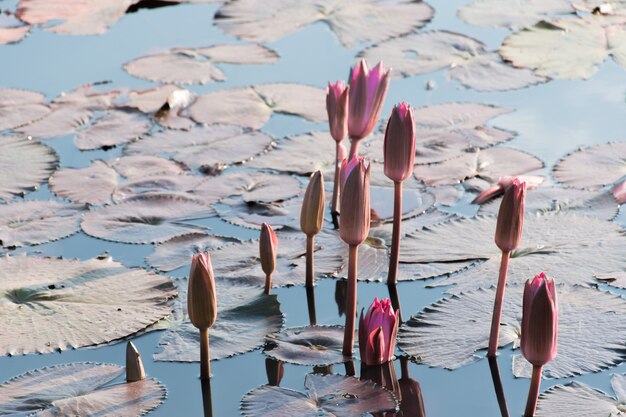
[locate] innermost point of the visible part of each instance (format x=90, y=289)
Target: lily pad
x=19, y=107
x=570, y=247
x=489, y=164
x=34, y=222
x=594, y=167
x=197, y=65
x=140, y=166
x=512, y=14
x=56, y=304
x=79, y=388
x=114, y=128
x=576, y=399
x=151, y=99
x=253, y=215
x=61, y=121
x=24, y=164
x=352, y=22
x=184, y=185
x=13, y=34
x=468, y=60
x=244, y=311
x=332, y=395
x=208, y=148
x=590, y=330
x=145, y=219
x=91, y=185
x=253, y=106
x=310, y=345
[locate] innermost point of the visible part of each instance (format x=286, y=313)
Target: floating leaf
x=150, y=100
x=253, y=215
x=414, y=202
x=197, y=66
x=310, y=345
x=24, y=164
x=183, y=185
x=146, y=219
x=79, y=388
x=114, y=128
x=209, y=148
x=511, y=14
x=253, y=106
x=140, y=166
x=244, y=311
x=34, y=222
x=62, y=121
x=19, y=107
x=569, y=247
x=576, y=399
x=594, y=167
x=614, y=279
x=91, y=185
x=92, y=302
x=590, y=330
x=489, y=164
x=353, y=22
x=468, y=60
x=177, y=252
x=13, y=34
x=326, y=395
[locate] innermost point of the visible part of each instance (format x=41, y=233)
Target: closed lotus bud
x=312, y=213
x=540, y=321
x=201, y=301
x=511, y=217
x=134, y=365
x=399, y=147
x=377, y=333
x=355, y=201
x=337, y=108
x=367, y=95
x=268, y=246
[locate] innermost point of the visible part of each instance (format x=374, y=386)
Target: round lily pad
x=512, y=13
x=56, y=304
x=114, y=128
x=310, y=345
x=593, y=167
x=19, y=107
x=91, y=185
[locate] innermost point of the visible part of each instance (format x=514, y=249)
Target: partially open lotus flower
x=355, y=201
x=268, y=246
x=539, y=320
x=337, y=108
x=511, y=217
x=532, y=181
x=377, y=332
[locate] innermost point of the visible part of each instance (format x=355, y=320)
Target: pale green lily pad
x=594, y=167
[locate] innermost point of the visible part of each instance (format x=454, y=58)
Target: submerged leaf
x=310, y=345
x=93, y=302
x=594, y=167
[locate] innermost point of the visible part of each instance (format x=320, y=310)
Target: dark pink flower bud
x=377, y=333
x=268, y=246
x=337, y=108
x=511, y=217
x=540, y=321
x=355, y=201
x=367, y=95
x=399, y=148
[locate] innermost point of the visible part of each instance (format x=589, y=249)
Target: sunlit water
x=551, y=120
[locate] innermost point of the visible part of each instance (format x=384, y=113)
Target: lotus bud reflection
x=399, y=145
x=377, y=332
x=268, y=246
x=355, y=201
x=337, y=108
x=539, y=321
x=511, y=217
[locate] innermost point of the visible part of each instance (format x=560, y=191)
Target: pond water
x=551, y=120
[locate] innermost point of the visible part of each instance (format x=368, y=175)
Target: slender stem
x=354, y=148
x=497, y=384
x=392, y=277
x=334, y=205
x=207, y=400
x=268, y=283
x=395, y=300
x=404, y=368
x=350, y=369
x=205, y=359
x=348, y=336
x=310, y=301
x=310, y=250
x=497, y=306
x=533, y=392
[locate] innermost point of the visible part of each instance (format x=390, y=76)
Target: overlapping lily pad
x=24, y=164
x=13, y=34
x=512, y=14
x=253, y=106
x=18, y=107
x=79, y=388
x=570, y=247
x=590, y=330
x=150, y=218
x=34, y=222
x=197, y=65
x=91, y=185
x=468, y=60
x=114, y=128
x=252, y=216
x=91, y=302
x=594, y=167
x=310, y=345
x=139, y=166
x=352, y=22
x=576, y=399
x=244, y=311
x=333, y=395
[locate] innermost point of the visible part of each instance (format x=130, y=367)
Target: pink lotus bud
x=377, y=332
x=312, y=212
x=337, y=108
x=540, y=321
x=511, y=217
x=619, y=192
x=201, y=301
x=367, y=95
x=532, y=181
x=268, y=245
x=355, y=201
x=400, y=143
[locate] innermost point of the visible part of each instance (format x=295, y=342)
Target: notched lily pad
x=177, y=252
x=93, y=302
x=244, y=311
x=333, y=395
x=79, y=388
x=19, y=107
x=91, y=185
x=594, y=167
x=512, y=14
x=114, y=128
x=34, y=222
x=140, y=166
x=310, y=345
